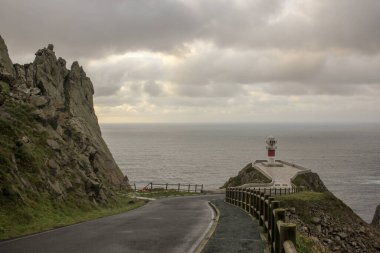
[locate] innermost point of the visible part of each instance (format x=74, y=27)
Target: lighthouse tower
x=271, y=147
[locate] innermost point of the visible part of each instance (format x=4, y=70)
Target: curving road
x=171, y=225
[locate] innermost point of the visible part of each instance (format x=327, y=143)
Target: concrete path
x=236, y=232
x=171, y=225
x=281, y=176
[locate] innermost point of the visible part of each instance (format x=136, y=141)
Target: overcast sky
x=212, y=60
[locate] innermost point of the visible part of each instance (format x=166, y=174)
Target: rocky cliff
x=50, y=141
x=376, y=218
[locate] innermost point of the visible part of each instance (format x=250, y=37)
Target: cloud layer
x=194, y=60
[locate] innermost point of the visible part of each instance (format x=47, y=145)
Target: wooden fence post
x=274, y=205
x=235, y=196
x=179, y=187
x=265, y=211
x=261, y=209
x=287, y=232
x=251, y=202
x=246, y=200
x=279, y=216
x=270, y=199
x=241, y=198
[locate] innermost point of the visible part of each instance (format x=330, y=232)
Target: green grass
x=4, y=87
x=307, y=245
x=47, y=214
x=162, y=193
x=302, y=196
x=303, y=202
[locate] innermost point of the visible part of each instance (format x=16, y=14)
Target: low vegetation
x=26, y=205
x=326, y=224
x=46, y=214
x=307, y=245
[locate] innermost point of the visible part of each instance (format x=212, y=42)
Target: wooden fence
x=260, y=204
x=177, y=187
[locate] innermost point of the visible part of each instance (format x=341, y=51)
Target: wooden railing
x=260, y=204
x=177, y=187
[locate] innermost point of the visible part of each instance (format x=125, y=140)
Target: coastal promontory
x=52, y=154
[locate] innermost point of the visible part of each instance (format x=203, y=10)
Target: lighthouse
x=271, y=147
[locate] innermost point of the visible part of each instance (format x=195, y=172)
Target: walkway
x=171, y=225
x=281, y=175
x=236, y=232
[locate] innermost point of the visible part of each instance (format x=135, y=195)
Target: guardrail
x=177, y=187
x=260, y=204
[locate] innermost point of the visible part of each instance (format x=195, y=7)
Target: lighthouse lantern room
x=271, y=147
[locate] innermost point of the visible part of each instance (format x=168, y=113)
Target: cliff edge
x=50, y=141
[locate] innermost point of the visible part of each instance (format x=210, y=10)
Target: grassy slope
x=47, y=214
x=29, y=209
x=338, y=216
x=304, y=202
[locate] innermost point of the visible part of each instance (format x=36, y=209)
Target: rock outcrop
x=329, y=222
x=245, y=176
x=376, y=218
x=7, y=71
x=50, y=138
x=311, y=181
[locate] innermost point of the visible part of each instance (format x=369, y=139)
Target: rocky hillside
x=310, y=181
x=328, y=221
x=51, y=146
x=324, y=222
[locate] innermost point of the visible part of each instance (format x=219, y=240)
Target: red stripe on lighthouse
x=271, y=152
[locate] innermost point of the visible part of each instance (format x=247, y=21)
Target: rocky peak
x=376, y=218
x=61, y=102
x=7, y=71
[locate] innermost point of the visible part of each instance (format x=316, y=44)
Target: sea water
x=346, y=156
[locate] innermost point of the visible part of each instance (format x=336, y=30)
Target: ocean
x=346, y=156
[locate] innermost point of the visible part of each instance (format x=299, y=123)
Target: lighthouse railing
x=260, y=204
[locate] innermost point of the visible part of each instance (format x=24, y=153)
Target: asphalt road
x=236, y=232
x=171, y=225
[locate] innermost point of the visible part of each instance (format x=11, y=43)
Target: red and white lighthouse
x=271, y=147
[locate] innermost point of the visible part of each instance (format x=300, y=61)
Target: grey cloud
x=295, y=72
x=88, y=29
x=110, y=75
x=152, y=88
x=91, y=28
x=210, y=90
x=224, y=51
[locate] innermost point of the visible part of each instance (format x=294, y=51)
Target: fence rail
x=260, y=204
x=177, y=187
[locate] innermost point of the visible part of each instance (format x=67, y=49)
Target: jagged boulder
x=376, y=218
x=245, y=176
x=7, y=71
